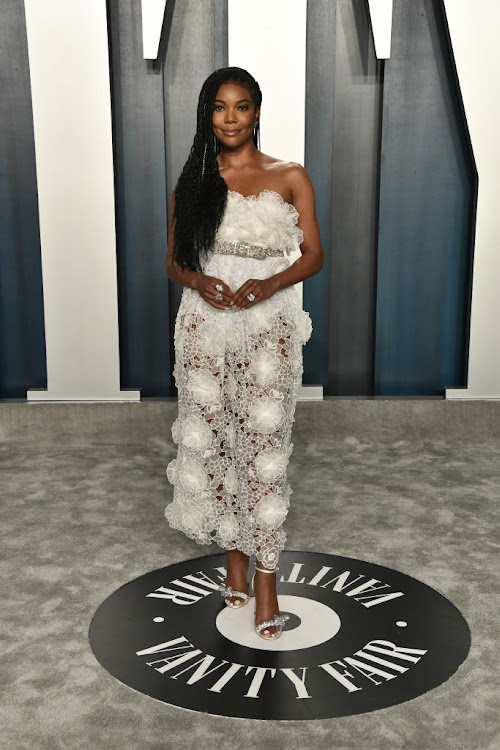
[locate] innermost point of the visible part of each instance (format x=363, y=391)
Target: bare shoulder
x=294, y=181
x=299, y=181
x=299, y=185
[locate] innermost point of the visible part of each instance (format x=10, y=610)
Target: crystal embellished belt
x=245, y=249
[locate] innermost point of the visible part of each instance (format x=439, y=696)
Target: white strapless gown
x=238, y=373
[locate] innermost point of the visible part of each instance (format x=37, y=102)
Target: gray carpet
x=411, y=484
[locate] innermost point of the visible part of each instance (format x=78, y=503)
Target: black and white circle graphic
x=360, y=637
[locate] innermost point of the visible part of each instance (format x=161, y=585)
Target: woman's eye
x=220, y=106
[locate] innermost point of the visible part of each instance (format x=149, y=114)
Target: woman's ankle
x=237, y=560
x=264, y=569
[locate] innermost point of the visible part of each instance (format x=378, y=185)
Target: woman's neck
x=239, y=158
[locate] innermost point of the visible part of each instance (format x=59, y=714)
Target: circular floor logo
x=360, y=637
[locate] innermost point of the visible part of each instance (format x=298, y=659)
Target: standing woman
x=237, y=215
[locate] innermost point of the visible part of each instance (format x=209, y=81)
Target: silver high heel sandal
x=228, y=591
x=276, y=620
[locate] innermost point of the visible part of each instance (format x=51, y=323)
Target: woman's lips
x=230, y=132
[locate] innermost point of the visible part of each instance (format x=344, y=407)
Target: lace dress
x=238, y=373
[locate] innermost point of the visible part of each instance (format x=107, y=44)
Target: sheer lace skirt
x=238, y=374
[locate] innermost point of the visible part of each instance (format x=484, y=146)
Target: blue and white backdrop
x=392, y=106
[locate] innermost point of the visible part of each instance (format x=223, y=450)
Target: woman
x=237, y=214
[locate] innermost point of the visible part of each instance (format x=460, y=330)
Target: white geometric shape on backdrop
x=153, y=12
x=381, y=18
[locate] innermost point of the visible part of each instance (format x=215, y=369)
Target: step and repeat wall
x=392, y=108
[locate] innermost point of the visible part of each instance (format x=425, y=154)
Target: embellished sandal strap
x=228, y=591
x=277, y=620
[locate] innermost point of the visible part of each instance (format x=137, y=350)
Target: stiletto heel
x=278, y=620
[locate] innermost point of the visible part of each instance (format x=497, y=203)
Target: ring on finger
x=251, y=297
x=218, y=297
x=219, y=287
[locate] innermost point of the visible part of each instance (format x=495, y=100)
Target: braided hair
x=201, y=193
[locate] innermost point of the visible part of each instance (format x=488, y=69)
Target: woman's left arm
x=311, y=259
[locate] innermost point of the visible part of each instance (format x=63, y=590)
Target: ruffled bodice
x=265, y=220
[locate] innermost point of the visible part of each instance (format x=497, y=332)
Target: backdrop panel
x=320, y=66
x=140, y=190
x=354, y=213
x=386, y=146
x=22, y=335
x=427, y=197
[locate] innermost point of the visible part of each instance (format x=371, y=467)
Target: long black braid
x=201, y=193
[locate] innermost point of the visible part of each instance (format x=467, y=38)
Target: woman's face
x=234, y=114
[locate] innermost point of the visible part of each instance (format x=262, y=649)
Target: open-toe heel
x=278, y=620
x=228, y=591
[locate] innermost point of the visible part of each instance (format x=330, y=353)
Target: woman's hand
x=260, y=288
x=206, y=287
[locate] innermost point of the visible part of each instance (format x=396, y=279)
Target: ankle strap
x=262, y=570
